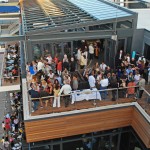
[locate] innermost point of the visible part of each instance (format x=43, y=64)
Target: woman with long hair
x=75, y=82
x=56, y=90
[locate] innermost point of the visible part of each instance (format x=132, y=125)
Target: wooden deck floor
x=8, y=83
x=79, y=105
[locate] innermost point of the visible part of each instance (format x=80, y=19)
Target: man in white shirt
x=51, y=75
x=79, y=53
x=49, y=58
x=8, y=56
x=142, y=58
x=66, y=89
x=136, y=78
x=91, y=51
x=103, y=86
x=40, y=66
x=103, y=66
x=92, y=81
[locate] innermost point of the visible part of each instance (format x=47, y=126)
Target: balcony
x=8, y=66
x=86, y=116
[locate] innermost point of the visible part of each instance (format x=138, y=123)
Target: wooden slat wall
x=142, y=127
x=77, y=124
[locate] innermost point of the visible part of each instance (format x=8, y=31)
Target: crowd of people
x=53, y=76
x=11, y=64
x=13, y=127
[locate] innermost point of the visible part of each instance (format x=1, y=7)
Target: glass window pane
x=37, y=51
x=56, y=147
x=75, y=145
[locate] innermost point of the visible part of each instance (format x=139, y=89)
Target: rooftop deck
x=78, y=118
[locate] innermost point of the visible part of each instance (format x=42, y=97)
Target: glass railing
x=85, y=99
x=144, y=98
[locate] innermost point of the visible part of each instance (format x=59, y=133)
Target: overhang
x=62, y=15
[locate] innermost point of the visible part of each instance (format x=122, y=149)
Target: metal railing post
x=117, y=94
x=75, y=99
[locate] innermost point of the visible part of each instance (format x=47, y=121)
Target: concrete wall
x=137, y=43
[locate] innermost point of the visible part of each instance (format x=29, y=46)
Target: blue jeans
x=36, y=104
x=103, y=93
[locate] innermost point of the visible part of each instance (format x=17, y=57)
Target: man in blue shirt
x=34, y=94
x=129, y=70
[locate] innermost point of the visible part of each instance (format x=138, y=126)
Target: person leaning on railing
x=34, y=94
x=66, y=89
x=42, y=94
x=114, y=84
x=141, y=86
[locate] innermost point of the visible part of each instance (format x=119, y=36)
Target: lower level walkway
x=4, y=99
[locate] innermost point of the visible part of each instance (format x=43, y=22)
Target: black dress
x=72, y=66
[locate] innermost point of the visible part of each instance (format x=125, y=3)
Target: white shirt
x=103, y=66
x=49, y=60
x=128, y=59
x=14, y=56
x=104, y=82
x=92, y=81
x=51, y=75
x=8, y=56
x=120, y=55
x=83, y=61
x=79, y=54
x=47, y=69
x=140, y=58
x=137, y=78
x=91, y=49
x=40, y=66
x=66, y=89
x=86, y=57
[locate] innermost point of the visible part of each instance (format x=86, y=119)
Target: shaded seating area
x=11, y=66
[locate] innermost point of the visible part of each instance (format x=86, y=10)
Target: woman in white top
x=65, y=59
x=86, y=56
x=128, y=58
x=79, y=55
x=82, y=61
x=91, y=51
x=136, y=77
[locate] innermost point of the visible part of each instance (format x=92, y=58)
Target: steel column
x=22, y=54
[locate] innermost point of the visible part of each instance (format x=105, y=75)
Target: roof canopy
x=99, y=9
x=67, y=14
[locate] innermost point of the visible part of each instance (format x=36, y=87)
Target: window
x=124, y=24
x=108, y=26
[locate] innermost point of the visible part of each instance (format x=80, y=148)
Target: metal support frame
x=63, y=27
x=29, y=50
x=22, y=54
x=71, y=48
x=42, y=49
x=61, y=15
